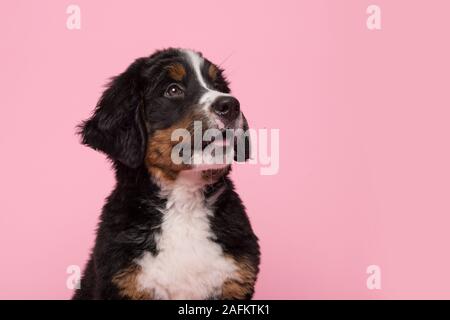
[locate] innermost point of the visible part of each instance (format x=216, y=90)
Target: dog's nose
x=228, y=108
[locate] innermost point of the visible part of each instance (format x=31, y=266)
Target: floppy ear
x=242, y=146
x=117, y=127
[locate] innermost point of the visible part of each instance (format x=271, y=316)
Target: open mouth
x=216, y=147
x=224, y=139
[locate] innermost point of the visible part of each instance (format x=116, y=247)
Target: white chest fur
x=189, y=265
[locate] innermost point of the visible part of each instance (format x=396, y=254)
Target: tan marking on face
x=159, y=150
x=126, y=281
x=176, y=71
x=242, y=286
x=212, y=72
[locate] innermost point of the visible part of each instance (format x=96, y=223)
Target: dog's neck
x=196, y=180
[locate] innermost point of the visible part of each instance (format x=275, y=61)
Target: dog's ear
x=242, y=147
x=117, y=127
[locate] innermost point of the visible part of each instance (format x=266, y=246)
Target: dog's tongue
x=224, y=140
x=221, y=142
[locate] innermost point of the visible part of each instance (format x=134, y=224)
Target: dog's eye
x=174, y=91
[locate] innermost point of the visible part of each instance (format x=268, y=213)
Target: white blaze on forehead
x=196, y=62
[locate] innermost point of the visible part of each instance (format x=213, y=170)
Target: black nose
x=228, y=108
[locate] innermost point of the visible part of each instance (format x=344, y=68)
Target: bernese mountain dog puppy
x=169, y=229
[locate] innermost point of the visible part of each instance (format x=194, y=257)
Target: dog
x=169, y=230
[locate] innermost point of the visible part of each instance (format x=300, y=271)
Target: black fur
x=126, y=116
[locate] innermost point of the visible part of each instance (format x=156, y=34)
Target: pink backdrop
x=364, y=127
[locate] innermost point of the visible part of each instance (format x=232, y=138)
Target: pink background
x=364, y=125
